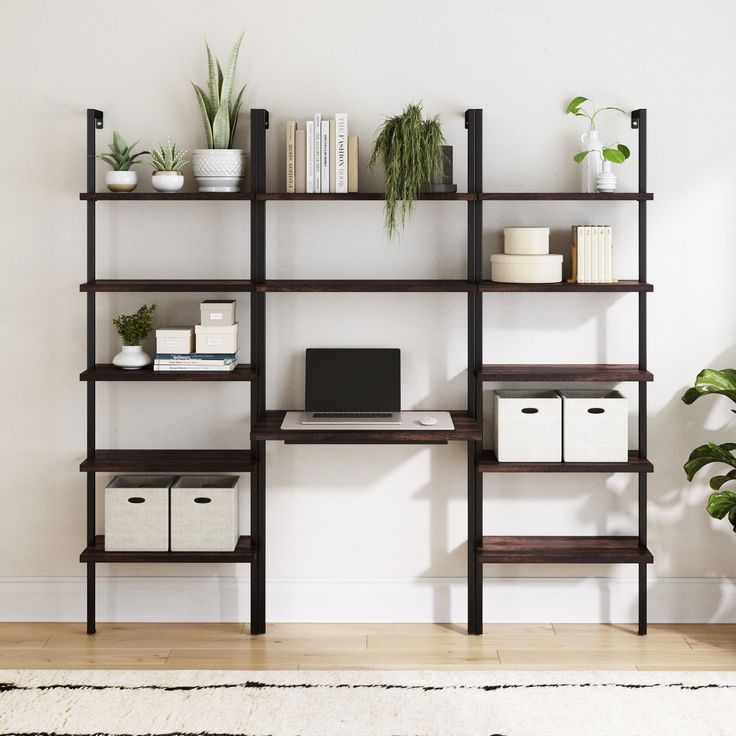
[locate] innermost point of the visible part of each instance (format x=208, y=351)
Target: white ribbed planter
x=218, y=169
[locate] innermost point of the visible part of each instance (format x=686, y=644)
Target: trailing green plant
x=168, y=158
x=616, y=153
x=121, y=156
x=721, y=503
x=409, y=148
x=219, y=111
x=133, y=328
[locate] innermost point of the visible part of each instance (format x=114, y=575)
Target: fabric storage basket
x=217, y=312
x=220, y=339
x=204, y=513
x=595, y=426
x=527, y=426
x=137, y=513
x=175, y=340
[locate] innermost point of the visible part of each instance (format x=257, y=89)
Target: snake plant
x=219, y=110
x=721, y=503
x=409, y=148
x=167, y=158
x=121, y=156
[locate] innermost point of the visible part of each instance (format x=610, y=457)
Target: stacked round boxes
x=526, y=258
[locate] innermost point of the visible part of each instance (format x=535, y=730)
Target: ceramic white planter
x=218, y=169
x=606, y=181
x=131, y=358
x=167, y=181
x=592, y=164
x=121, y=181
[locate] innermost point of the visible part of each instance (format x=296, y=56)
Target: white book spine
x=578, y=240
x=594, y=254
x=601, y=254
x=325, y=153
x=202, y=368
x=310, y=156
x=332, y=156
x=341, y=153
x=586, y=253
x=609, y=254
x=317, y=152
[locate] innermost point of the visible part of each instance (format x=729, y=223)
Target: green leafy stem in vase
x=618, y=152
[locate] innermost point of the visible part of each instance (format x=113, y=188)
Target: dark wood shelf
x=163, y=196
x=244, y=552
x=358, y=196
x=488, y=463
x=367, y=285
x=571, y=196
x=565, y=287
x=577, y=550
x=563, y=372
x=169, y=461
x=269, y=428
x=156, y=285
x=109, y=372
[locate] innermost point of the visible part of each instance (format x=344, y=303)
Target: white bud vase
x=131, y=358
x=606, y=181
x=591, y=165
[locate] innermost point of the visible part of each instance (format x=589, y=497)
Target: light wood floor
x=367, y=646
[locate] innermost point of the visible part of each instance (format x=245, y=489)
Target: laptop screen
x=353, y=379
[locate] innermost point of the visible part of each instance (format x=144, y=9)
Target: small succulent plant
x=121, y=156
x=168, y=157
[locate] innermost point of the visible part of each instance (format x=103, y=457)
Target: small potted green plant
x=219, y=167
x=133, y=329
x=121, y=158
x=410, y=150
x=721, y=503
x=167, y=162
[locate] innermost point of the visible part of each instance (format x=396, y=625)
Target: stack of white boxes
x=218, y=330
x=526, y=258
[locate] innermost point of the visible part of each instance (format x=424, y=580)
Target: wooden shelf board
x=357, y=196
x=367, y=285
x=570, y=196
x=244, y=552
x=562, y=372
x=625, y=285
x=163, y=196
x=169, y=461
x=109, y=372
x=561, y=550
x=156, y=285
x=487, y=463
x=269, y=428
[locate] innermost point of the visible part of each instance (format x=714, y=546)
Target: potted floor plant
x=721, y=503
x=219, y=167
x=167, y=162
x=133, y=329
x=121, y=158
x=410, y=150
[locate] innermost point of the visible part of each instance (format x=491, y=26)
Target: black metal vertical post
x=258, y=126
x=639, y=121
x=94, y=123
x=474, y=124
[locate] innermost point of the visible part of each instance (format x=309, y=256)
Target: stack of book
x=321, y=158
x=592, y=254
x=195, y=362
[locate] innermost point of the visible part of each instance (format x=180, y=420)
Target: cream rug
x=368, y=703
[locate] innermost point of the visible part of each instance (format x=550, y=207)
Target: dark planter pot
x=442, y=183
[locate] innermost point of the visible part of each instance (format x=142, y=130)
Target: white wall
x=366, y=532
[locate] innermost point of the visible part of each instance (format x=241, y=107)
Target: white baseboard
x=522, y=600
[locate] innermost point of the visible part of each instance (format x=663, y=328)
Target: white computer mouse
x=428, y=421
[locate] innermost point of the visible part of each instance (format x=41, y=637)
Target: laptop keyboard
x=352, y=415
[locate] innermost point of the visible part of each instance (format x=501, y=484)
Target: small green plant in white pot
x=133, y=329
x=219, y=167
x=121, y=158
x=167, y=162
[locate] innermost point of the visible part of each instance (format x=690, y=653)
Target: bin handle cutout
x=202, y=499
x=596, y=410
x=136, y=499
x=529, y=410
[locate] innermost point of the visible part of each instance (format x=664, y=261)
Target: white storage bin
x=526, y=241
x=217, y=339
x=545, y=269
x=204, y=513
x=217, y=312
x=137, y=513
x=175, y=340
x=527, y=426
x=595, y=426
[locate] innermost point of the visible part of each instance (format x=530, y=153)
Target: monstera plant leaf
x=710, y=381
x=723, y=504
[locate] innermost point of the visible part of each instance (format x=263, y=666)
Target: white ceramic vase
x=606, y=181
x=591, y=165
x=131, y=358
x=218, y=169
x=121, y=181
x=167, y=181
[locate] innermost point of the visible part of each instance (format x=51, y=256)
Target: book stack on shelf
x=321, y=158
x=592, y=254
x=209, y=346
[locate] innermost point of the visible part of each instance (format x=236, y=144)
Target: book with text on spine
x=324, y=148
x=290, y=156
x=332, y=157
x=317, y=152
x=310, y=156
x=341, y=153
x=200, y=368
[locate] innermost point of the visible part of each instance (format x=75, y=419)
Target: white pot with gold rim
x=121, y=181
